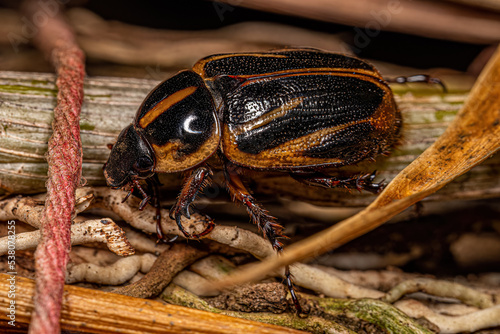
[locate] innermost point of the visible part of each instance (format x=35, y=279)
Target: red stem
x=57, y=42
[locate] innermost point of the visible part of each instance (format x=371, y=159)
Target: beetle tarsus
x=365, y=182
x=144, y=202
x=175, y=237
x=207, y=230
x=425, y=78
x=188, y=235
x=289, y=283
x=178, y=216
x=360, y=182
x=128, y=195
x=195, y=182
x=145, y=197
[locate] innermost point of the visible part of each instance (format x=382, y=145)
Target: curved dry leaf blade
x=470, y=139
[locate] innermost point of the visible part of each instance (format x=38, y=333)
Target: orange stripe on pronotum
x=164, y=104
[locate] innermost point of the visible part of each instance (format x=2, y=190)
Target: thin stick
x=57, y=42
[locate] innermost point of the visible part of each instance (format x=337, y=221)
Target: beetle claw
x=175, y=237
x=144, y=202
x=128, y=195
x=178, y=216
x=365, y=182
x=187, y=235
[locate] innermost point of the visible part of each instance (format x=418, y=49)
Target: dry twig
x=168, y=264
x=470, y=322
x=115, y=274
x=97, y=230
x=30, y=209
x=440, y=288
x=133, y=45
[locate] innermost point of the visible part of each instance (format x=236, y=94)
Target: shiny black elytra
x=301, y=112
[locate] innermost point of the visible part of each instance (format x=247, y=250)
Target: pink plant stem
x=57, y=42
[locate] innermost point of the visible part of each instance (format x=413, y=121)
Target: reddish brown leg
x=266, y=223
x=360, y=182
x=145, y=197
x=195, y=181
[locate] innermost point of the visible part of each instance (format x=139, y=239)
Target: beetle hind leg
x=195, y=182
x=359, y=182
x=424, y=78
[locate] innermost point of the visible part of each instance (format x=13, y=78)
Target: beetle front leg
x=360, y=182
x=196, y=181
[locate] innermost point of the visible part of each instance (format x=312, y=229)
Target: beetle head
x=131, y=158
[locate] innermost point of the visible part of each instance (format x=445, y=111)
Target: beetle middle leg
x=359, y=182
x=195, y=181
x=266, y=223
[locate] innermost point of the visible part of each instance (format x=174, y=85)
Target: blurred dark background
x=401, y=49
x=397, y=48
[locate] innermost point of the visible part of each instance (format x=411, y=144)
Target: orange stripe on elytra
x=164, y=104
x=269, y=116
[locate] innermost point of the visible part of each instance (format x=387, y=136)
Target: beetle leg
x=360, y=182
x=266, y=223
x=145, y=197
x=196, y=181
x=425, y=78
x=153, y=184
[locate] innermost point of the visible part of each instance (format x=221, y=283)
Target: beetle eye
x=143, y=164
